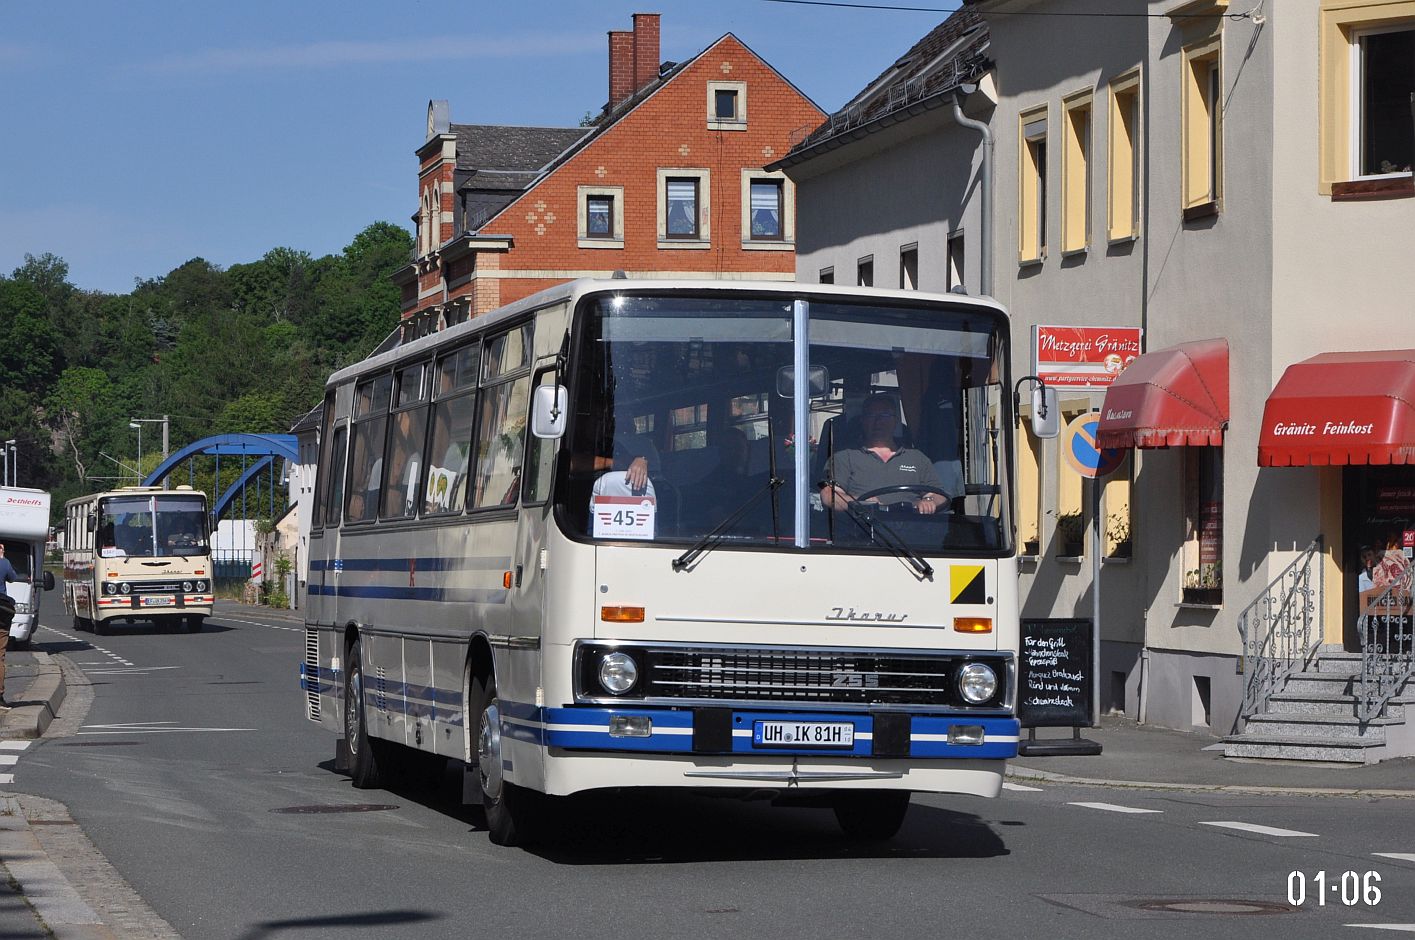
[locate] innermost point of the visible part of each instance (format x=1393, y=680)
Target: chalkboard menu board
x=1054, y=681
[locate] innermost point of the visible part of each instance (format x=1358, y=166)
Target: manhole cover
x=1212, y=906
x=336, y=808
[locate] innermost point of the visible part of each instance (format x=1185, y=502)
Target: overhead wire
x=1248, y=14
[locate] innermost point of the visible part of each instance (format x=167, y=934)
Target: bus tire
x=871, y=815
x=80, y=625
x=99, y=627
x=363, y=760
x=509, y=809
x=192, y=623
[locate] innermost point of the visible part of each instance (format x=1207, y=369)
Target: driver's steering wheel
x=920, y=488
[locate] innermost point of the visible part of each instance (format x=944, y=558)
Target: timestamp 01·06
x=1350, y=888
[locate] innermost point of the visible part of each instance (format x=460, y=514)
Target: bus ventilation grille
x=380, y=689
x=312, y=674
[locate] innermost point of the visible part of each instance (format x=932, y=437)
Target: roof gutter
x=986, y=183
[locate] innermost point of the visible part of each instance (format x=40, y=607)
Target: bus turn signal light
x=972, y=624
x=506, y=579
x=621, y=614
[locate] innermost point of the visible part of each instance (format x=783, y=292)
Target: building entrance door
x=1378, y=536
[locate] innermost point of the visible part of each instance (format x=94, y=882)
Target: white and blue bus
x=581, y=542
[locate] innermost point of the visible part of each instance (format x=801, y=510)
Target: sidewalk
x=45, y=904
x=1144, y=756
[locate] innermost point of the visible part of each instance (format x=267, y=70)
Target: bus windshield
x=683, y=425
x=152, y=526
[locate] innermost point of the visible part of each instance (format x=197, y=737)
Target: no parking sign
x=1078, y=446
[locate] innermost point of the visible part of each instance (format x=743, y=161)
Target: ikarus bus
x=138, y=553
x=730, y=536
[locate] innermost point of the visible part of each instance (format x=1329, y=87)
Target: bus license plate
x=157, y=600
x=803, y=734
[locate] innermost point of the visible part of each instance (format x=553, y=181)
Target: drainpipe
x=981, y=127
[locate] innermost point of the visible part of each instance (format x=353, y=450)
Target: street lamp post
x=135, y=424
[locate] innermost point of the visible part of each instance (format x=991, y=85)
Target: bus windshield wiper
x=886, y=537
x=710, y=541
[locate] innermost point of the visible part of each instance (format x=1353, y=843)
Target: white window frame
x=787, y=241
x=582, y=216
x=1355, y=109
x=739, y=123
x=704, y=178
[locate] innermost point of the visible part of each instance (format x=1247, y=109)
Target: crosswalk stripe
x=7, y=778
x=1402, y=928
x=1009, y=785
x=1398, y=856
x=1260, y=830
x=14, y=745
x=1115, y=808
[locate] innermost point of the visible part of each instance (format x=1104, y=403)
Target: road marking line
x=1009, y=785
x=9, y=760
x=1403, y=928
x=1114, y=808
x=14, y=745
x=1398, y=856
x=7, y=778
x=1260, y=830
x=164, y=730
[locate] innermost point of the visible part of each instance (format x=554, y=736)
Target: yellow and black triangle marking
x=966, y=584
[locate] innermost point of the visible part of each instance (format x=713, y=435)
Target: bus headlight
x=186, y=587
x=125, y=588
x=618, y=672
x=109, y=587
x=977, y=682
x=201, y=587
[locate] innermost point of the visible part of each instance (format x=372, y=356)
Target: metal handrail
x=1387, y=647
x=1276, y=630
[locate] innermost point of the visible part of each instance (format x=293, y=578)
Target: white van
x=24, y=527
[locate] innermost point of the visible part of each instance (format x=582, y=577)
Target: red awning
x=1167, y=398
x=1341, y=408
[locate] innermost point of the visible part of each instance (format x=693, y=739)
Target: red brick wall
x=621, y=66
x=543, y=222
x=646, y=28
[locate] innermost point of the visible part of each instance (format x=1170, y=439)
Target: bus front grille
x=805, y=676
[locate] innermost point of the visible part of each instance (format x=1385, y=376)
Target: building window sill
x=762, y=245
x=727, y=125
x=1204, y=210
x=1075, y=252
x=1116, y=240
x=1189, y=605
x=1394, y=187
x=1073, y=559
x=1031, y=262
x=1115, y=560
x=686, y=243
x=601, y=243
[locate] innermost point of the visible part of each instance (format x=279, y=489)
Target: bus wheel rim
x=489, y=751
x=353, y=720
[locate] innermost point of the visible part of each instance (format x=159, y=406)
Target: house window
x=865, y=272
x=1123, y=176
x=1202, y=148
x=1076, y=176
x=1032, y=191
x=683, y=201
x=1116, y=535
x=682, y=208
x=1366, y=53
x=600, y=216
x=909, y=267
x=766, y=204
x=727, y=106
x=1202, y=555
x=1383, y=71
x=955, y=261
x=827, y=275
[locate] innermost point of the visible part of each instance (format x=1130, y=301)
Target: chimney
x=621, y=67
x=645, y=48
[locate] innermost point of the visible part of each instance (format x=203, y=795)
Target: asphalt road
x=196, y=774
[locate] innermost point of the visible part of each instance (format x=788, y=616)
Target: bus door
x=331, y=560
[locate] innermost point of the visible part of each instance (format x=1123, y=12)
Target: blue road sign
x=1078, y=446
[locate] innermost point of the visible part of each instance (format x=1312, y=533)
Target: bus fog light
x=965, y=734
x=618, y=672
x=630, y=726
x=977, y=683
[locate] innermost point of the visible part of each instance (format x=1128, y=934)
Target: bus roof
x=575, y=290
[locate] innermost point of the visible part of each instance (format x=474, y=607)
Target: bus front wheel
x=871, y=815
x=363, y=764
x=192, y=623
x=509, y=809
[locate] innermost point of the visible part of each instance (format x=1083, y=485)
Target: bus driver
x=880, y=462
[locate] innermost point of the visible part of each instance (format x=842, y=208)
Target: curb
x=42, y=696
x=1026, y=773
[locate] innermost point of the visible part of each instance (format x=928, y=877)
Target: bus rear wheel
x=510, y=809
x=871, y=815
x=363, y=762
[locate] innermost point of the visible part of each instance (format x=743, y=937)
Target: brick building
x=668, y=182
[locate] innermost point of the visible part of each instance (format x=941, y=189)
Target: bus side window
x=334, y=471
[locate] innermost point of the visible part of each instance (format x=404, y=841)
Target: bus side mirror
x=49, y=580
x=548, y=411
x=1044, y=404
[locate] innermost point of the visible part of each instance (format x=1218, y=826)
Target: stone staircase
x=1313, y=718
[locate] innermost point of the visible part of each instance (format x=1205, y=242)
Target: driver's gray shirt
x=859, y=470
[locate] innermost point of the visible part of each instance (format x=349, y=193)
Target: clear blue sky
x=140, y=134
